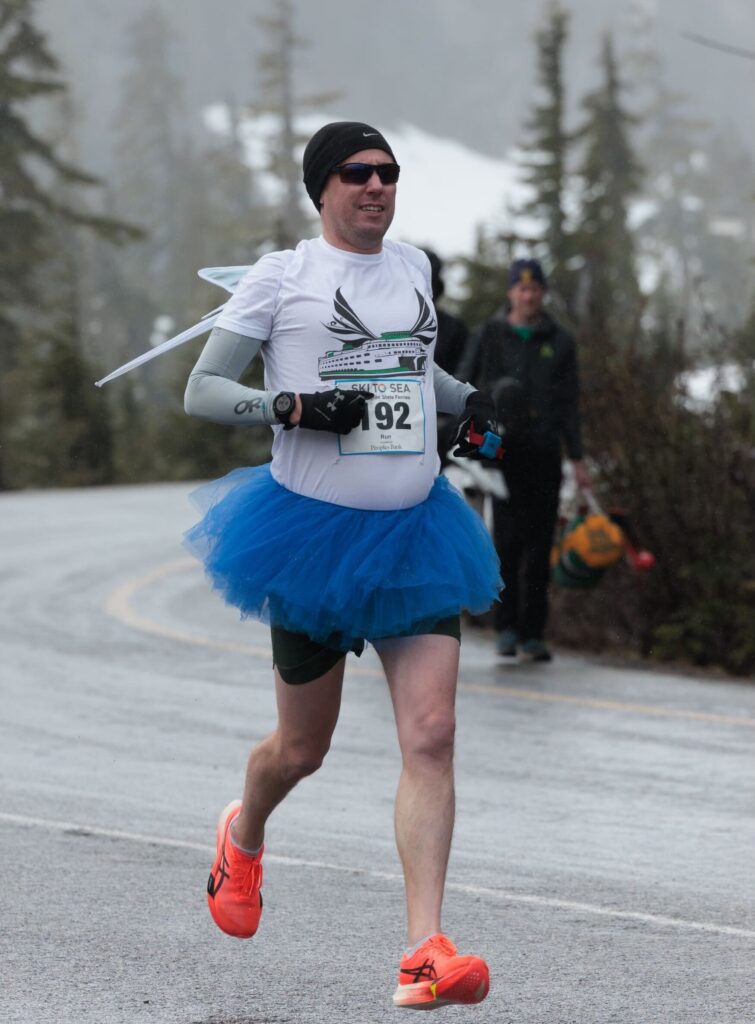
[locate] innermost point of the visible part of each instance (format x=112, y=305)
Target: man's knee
x=297, y=760
x=430, y=738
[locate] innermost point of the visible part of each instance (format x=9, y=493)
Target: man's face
x=356, y=217
x=526, y=298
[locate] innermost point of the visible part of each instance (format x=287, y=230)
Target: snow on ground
x=702, y=387
x=446, y=190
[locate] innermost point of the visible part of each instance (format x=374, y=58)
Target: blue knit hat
x=528, y=272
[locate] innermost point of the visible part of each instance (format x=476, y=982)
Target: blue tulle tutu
x=341, y=574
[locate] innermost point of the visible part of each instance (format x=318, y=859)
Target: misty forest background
x=92, y=271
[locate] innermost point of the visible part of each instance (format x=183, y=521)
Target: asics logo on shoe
x=425, y=970
x=215, y=882
x=434, y=975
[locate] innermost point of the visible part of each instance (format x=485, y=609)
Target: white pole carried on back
x=205, y=324
x=226, y=277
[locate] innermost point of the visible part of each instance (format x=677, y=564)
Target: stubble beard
x=363, y=237
x=367, y=236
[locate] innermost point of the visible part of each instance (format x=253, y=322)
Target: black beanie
x=330, y=146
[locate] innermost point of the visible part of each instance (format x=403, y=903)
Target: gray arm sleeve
x=213, y=391
x=450, y=393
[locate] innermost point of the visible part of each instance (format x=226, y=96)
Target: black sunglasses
x=360, y=174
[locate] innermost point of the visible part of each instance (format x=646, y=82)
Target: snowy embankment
x=447, y=189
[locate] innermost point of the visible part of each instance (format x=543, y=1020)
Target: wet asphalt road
x=603, y=861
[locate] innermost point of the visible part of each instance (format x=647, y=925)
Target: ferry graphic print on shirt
x=391, y=366
x=377, y=356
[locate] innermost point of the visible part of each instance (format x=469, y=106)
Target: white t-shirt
x=339, y=319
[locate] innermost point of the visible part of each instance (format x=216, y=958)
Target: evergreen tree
x=160, y=181
x=59, y=431
x=485, y=275
x=548, y=146
x=242, y=223
x=669, y=140
x=39, y=196
x=611, y=175
x=29, y=71
x=152, y=161
x=278, y=98
x=727, y=250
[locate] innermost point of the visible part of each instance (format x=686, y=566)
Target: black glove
x=479, y=414
x=512, y=410
x=337, y=411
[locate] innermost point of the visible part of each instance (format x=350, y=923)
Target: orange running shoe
x=435, y=975
x=233, y=888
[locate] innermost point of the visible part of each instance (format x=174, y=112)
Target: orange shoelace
x=249, y=878
x=444, y=945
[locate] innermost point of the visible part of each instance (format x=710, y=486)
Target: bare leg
x=422, y=673
x=307, y=716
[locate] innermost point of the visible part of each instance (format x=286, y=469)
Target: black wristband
x=283, y=406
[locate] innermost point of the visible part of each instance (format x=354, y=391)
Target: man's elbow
x=191, y=396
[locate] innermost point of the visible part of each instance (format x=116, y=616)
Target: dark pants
x=523, y=528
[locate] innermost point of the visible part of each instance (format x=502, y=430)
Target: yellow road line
x=612, y=705
x=118, y=605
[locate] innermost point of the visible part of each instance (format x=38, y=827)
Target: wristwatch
x=283, y=405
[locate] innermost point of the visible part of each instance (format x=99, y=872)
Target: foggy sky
x=453, y=67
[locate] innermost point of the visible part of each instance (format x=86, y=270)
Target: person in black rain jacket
x=529, y=361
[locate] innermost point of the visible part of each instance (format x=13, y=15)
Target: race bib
x=393, y=422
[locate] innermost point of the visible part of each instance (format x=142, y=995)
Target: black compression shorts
x=300, y=659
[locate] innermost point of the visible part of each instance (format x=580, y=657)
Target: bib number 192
x=387, y=416
x=393, y=421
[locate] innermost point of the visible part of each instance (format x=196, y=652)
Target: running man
x=349, y=535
